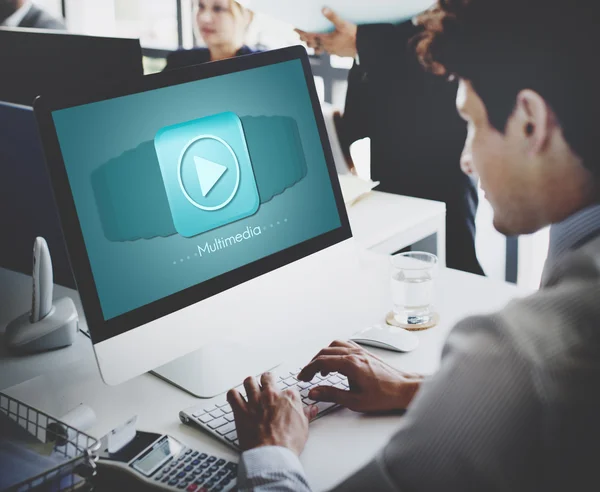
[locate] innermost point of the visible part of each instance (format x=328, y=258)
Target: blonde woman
x=223, y=25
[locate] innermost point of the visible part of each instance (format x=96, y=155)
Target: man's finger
x=267, y=380
x=252, y=391
x=335, y=19
x=326, y=364
x=344, y=343
x=331, y=394
x=310, y=411
x=237, y=402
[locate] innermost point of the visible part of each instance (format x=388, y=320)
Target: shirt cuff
x=265, y=459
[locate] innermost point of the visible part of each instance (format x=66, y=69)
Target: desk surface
x=70, y=376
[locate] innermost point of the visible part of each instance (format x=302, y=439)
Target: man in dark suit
x=23, y=13
x=410, y=116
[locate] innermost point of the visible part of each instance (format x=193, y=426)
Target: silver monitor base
x=214, y=369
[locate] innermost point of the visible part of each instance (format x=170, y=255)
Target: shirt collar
x=574, y=231
x=17, y=17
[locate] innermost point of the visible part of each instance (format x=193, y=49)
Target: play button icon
x=209, y=173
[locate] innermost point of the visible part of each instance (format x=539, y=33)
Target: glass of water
x=412, y=284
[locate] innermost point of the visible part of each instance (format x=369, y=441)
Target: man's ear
x=535, y=120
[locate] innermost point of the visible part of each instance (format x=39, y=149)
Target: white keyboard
x=216, y=417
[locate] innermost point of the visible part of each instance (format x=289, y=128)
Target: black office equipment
x=26, y=201
x=35, y=62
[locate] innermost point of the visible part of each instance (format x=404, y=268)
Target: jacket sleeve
x=382, y=54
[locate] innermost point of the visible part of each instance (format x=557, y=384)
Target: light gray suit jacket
x=514, y=407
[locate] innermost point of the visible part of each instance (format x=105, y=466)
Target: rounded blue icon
x=209, y=172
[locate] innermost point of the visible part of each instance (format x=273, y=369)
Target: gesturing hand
x=270, y=417
x=374, y=385
x=341, y=42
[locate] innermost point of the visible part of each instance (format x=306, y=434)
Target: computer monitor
x=36, y=61
x=195, y=205
x=26, y=201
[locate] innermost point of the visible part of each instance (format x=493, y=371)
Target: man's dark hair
x=505, y=46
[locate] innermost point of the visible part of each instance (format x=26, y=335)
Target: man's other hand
x=341, y=41
x=375, y=386
x=270, y=417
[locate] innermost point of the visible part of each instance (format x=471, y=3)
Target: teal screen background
x=131, y=274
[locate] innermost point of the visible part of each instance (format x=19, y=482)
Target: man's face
x=503, y=163
x=7, y=8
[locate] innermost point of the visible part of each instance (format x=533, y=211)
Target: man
x=23, y=13
x=515, y=404
x=410, y=117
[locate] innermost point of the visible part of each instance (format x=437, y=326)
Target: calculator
x=161, y=462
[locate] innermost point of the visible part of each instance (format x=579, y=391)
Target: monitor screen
x=180, y=187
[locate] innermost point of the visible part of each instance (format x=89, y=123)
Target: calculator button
x=231, y=466
x=188, y=459
x=205, y=476
x=221, y=462
x=166, y=479
x=206, y=464
x=188, y=451
x=181, y=475
x=203, y=456
x=218, y=488
x=175, y=481
x=194, y=454
x=212, y=459
x=182, y=486
x=213, y=468
x=195, y=462
x=188, y=468
x=192, y=487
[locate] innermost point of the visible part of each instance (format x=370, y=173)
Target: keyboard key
x=324, y=405
x=207, y=417
x=224, y=404
x=217, y=423
x=226, y=429
x=229, y=417
x=217, y=413
x=232, y=436
x=226, y=408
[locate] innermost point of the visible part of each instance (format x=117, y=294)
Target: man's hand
x=340, y=42
x=270, y=417
x=374, y=385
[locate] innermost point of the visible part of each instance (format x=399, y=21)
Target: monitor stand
x=216, y=368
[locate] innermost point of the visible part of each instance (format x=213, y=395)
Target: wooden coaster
x=391, y=320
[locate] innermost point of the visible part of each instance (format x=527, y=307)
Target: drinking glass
x=412, y=283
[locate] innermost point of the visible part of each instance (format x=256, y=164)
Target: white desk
x=68, y=380
x=386, y=223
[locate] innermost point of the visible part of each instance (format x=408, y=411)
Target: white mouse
x=387, y=337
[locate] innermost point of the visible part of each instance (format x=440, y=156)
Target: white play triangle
x=209, y=173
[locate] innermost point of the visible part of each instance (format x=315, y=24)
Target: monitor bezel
x=102, y=329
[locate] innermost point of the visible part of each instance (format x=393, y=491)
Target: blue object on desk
x=26, y=196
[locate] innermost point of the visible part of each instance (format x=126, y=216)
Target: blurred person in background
x=23, y=13
x=223, y=25
x=409, y=114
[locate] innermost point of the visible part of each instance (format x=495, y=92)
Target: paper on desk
x=354, y=187
x=306, y=14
